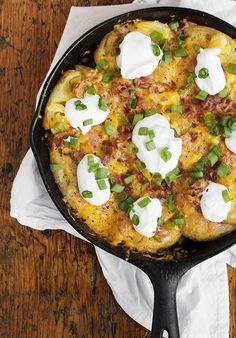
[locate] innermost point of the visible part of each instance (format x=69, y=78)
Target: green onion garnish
x=91, y=91
x=181, y=39
x=180, y=52
x=109, y=128
x=160, y=221
x=178, y=221
x=126, y=204
x=232, y=68
x=150, y=145
x=216, y=150
x=132, y=148
x=223, y=170
x=151, y=133
x=232, y=123
x=156, y=36
x=101, y=173
x=223, y=93
x=212, y=158
x=156, y=50
x=176, y=108
x=225, y=195
x=226, y=132
x=151, y=112
x=137, y=118
x=182, y=90
x=144, y=202
x=87, y=194
x=174, y=25
x=90, y=159
x=106, y=77
x=139, y=165
x=197, y=47
x=93, y=167
x=167, y=56
x=143, y=131
x=58, y=127
x=102, y=104
x=132, y=103
x=124, y=120
x=202, y=95
x=170, y=201
x=55, y=167
x=87, y=122
x=128, y=179
x=117, y=188
x=135, y=219
x=211, y=124
x=70, y=141
x=200, y=164
x=102, y=64
x=165, y=154
x=172, y=175
x=197, y=174
x=102, y=184
x=79, y=105
x=203, y=73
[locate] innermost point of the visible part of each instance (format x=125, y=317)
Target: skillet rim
x=121, y=252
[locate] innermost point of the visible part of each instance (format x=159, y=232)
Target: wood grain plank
x=51, y=283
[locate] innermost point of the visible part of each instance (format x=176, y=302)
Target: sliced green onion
x=156, y=179
x=232, y=68
x=178, y=221
x=87, y=194
x=202, y=95
x=58, y=127
x=150, y=145
x=216, y=150
x=174, y=25
x=170, y=201
x=132, y=103
x=172, y=175
x=156, y=50
x=126, y=204
x=143, y=131
x=200, y=164
x=167, y=56
x=117, y=188
x=124, y=120
x=225, y=195
x=182, y=90
x=128, y=179
x=211, y=124
x=79, y=105
x=151, y=112
x=102, y=184
x=132, y=148
x=90, y=159
x=162, y=200
x=212, y=158
x=180, y=52
x=102, y=104
x=109, y=128
x=232, y=123
x=156, y=36
x=181, y=39
x=71, y=142
x=135, y=219
x=101, y=173
x=197, y=174
x=151, y=133
x=223, y=93
x=137, y=118
x=144, y=202
x=165, y=154
x=226, y=132
x=55, y=167
x=139, y=165
x=160, y=221
x=176, y=108
x=197, y=47
x=102, y=64
x=223, y=170
x=107, y=77
x=203, y=73
x=93, y=167
x=87, y=122
x=91, y=91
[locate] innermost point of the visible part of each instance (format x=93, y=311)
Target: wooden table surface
x=51, y=283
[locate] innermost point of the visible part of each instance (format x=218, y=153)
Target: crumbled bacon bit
x=195, y=191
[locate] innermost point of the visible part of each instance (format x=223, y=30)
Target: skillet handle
x=165, y=278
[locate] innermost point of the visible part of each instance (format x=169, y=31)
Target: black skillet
x=164, y=268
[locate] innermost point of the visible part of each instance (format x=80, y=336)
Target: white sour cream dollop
x=164, y=137
x=213, y=206
x=77, y=117
x=87, y=182
x=215, y=81
x=136, y=56
x=230, y=142
x=147, y=216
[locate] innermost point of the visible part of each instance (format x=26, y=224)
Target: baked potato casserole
x=143, y=145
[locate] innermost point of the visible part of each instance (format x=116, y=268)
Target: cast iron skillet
x=164, y=268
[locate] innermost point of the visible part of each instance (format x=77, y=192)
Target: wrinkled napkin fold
x=202, y=295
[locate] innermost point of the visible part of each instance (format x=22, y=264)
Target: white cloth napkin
x=202, y=295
